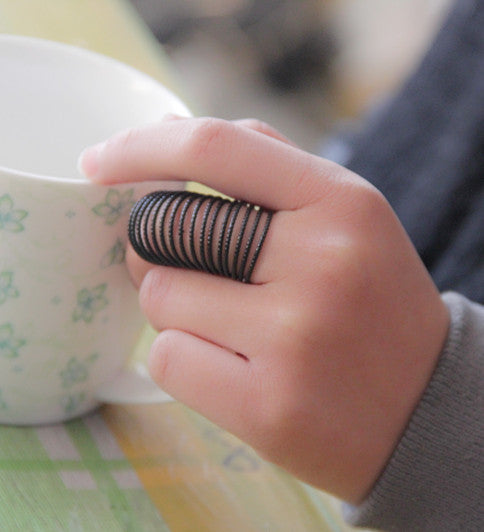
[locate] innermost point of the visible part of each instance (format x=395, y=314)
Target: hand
x=319, y=363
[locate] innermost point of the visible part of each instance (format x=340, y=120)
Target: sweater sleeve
x=434, y=479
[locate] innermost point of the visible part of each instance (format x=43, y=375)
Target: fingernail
x=88, y=162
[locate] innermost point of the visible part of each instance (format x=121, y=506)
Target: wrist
x=415, y=366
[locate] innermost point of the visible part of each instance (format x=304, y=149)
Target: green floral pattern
x=115, y=205
x=7, y=289
x=72, y=402
x=3, y=404
x=115, y=255
x=11, y=218
x=9, y=343
x=89, y=303
x=76, y=371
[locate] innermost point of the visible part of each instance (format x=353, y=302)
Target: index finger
x=234, y=160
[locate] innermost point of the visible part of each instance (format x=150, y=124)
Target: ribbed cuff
x=435, y=478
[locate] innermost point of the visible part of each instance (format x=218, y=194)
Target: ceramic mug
x=69, y=316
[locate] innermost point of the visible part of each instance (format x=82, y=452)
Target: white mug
x=69, y=316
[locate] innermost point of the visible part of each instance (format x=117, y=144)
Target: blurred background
x=304, y=66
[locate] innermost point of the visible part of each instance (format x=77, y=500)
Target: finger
x=205, y=377
x=137, y=267
x=229, y=158
x=199, y=231
x=231, y=314
x=264, y=128
x=264, y=271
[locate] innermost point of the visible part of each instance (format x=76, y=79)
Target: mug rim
x=73, y=50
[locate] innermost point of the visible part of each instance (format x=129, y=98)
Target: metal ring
x=199, y=232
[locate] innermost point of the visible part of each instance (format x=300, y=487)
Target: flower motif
x=237, y=457
x=115, y=255
x=73, y=373
x=89, y=302
x=114, y=206
x=10, y=218
x=3, y=404
x=9, y=344
x=6, y=287
x=71, y=403
x=77, y=371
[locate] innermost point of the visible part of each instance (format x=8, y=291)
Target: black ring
x=199, y=232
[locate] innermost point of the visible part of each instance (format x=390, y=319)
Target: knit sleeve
x=435, y=478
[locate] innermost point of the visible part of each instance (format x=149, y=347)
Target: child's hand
x=341, y=329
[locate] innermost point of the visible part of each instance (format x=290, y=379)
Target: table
x=145, y=467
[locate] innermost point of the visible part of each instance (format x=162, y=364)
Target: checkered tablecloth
x=71, y=476
x=148, y=468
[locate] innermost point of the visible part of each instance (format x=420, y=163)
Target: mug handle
x=132, y=385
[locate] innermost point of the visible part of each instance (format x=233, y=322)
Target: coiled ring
x=199, y=232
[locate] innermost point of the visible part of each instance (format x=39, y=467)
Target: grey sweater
x=434, y=480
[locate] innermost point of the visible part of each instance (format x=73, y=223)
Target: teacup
x=69, y=316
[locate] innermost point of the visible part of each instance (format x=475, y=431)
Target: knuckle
x=257, y=125
x=137, y=267
x=122, y=142
x=206, y=138
x=371, y=207
x=348, y=280
x=162, y=362
x=295, y=325
x=118, y=151
x=153, y=296
x=310, y=180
